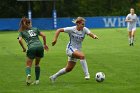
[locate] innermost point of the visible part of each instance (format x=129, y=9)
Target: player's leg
x=129, y=34
x=132, y=36
x=37, y=70
x=28, y=70
x=30, y=56
x=129, y=37
x=39, y=54
x=80, y=55
x=70, y=65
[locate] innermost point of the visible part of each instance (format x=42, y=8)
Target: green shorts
x=35, y=52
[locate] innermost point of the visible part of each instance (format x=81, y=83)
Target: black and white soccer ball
x=100, y=77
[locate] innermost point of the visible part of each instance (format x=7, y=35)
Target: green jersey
x=31, y=37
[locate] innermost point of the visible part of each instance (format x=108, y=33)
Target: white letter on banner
x=109, y=22
x=138, y=22
x=121, y=22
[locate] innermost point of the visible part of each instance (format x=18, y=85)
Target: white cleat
x=28, y=79
x=87, y=77
x=52, y=79
x=35, y=82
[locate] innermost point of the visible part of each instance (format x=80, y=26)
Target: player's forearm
x=128, y=20
x=44, y=40
x=56, y=34
x=93, y=35
x=21, y=44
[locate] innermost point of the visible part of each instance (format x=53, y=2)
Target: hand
x=131, y=20
x=24, y=49
x=54, y=42
x=95, y=37
x=46, y=47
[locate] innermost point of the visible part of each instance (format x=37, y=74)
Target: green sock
x=37, y=72
x=28, y=70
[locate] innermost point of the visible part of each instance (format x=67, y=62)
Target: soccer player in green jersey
x=35, y=47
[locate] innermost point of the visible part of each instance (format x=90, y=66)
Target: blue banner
x=48, y=23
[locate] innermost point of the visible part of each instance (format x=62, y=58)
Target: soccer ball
x=100, y=77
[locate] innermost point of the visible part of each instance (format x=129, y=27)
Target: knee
x=82, y=57
x=68, y=69
x=37, y=65
x=133, y=35
x=29, y=64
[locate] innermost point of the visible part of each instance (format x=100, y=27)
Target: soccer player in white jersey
x=131, y=20
x=73, y=50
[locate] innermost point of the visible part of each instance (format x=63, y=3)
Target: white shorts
x=131, y=28
x=69, y=52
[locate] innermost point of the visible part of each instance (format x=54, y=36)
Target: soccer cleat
x=35, y=82
x=28, y=79
x=87, y=77
x=129, y=44
x=132, y=44
x=52, y=79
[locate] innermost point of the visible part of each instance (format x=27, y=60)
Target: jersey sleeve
x=20, y=34
x=67, y=29
x=38, y=31
x=87, y=31
x=127, y=17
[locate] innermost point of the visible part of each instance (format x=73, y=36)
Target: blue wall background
x=47, y=23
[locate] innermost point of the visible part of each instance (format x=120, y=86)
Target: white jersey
x=76, y=37
x=133, y=18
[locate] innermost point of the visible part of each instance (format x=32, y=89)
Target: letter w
x=109, y=22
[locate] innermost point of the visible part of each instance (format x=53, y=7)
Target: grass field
x=110, y=54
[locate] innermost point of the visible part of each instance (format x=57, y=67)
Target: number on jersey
x=32, y=33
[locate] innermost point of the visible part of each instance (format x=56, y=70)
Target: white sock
x=132, y=39
x=129, y=40
x=84, y=66
x=60, y=72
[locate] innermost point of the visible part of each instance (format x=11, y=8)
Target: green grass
x=110, y=54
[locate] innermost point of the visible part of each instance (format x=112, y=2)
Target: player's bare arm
x=44, y=41
x=21, y=44
x=56, y=35
x=93, y=36
x=128, y=20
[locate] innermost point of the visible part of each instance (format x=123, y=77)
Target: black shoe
x=28, y=84
x=130, y=44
